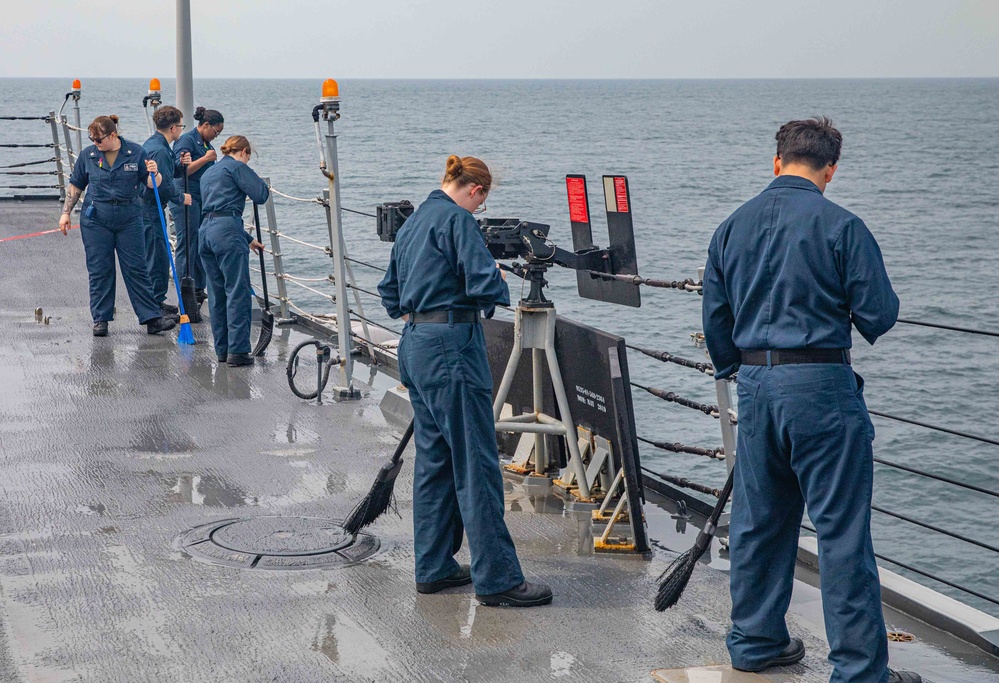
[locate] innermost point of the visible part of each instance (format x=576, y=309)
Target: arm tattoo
x=72, y=196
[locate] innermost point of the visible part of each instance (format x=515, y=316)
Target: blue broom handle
x=166, y=244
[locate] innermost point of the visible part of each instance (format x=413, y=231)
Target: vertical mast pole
x=185, y=70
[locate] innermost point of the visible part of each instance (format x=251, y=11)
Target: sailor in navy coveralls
x=439, y=278
x=788, y=275
x=225, y=248
x=196, y=146
x=114, y=169
x=168, y=128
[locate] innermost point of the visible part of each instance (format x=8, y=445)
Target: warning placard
x=579, y=211
x=621, y=193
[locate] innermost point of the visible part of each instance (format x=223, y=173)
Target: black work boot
x=101, y=328
x=168, y=309
x=792, y=654
x=201, y=295
x=524, y=595
x=462, y=577
x=157, y=325
x=903, y=677
x=238, y=359
x=221, y=357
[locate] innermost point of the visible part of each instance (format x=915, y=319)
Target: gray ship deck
x=112, y=447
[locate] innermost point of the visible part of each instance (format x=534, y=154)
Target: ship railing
x=728, y=418
x=291, y=310
x=29, y=174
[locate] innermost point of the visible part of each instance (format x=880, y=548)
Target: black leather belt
x=114, y=202
x=222, y=214
x=461, y=315
x=795, y=356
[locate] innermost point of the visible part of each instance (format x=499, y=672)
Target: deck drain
x=276, y=543
x=900, y=637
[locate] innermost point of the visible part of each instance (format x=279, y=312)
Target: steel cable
x=673, y=397
x=945, y=430
x=949, y=327
x=715, y=453
x=923, y=573
x=938, y=477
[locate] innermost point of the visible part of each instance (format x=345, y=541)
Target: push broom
x=187, y=294
x=677, y=575
x=266, y=317
x=185, y=336
x=379, y=498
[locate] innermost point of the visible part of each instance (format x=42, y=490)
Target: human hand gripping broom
x=185, y=336
x=675, y=578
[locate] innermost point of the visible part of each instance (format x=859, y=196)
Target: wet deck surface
x=112, y=447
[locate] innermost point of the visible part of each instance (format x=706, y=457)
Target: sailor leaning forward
x=224, y=247
x=168, y=128
x=114, y=169
x=440, y=277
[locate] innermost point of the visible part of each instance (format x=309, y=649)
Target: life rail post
x=329, y=107
x=276, y=256
x=57, y=148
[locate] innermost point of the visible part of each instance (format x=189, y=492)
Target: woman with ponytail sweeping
x=224, y=248
x=440, y=279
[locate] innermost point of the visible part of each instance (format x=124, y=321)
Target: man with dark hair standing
x=787, y=276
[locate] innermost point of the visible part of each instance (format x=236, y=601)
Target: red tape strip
x=35, y=234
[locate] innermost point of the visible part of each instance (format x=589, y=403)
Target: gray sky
x=507, y=38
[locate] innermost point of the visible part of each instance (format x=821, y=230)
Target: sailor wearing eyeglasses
x=197, y=144
x=114, y=170
x=440, y=279
x=168, y=129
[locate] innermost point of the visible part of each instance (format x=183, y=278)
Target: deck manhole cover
x=276, y=543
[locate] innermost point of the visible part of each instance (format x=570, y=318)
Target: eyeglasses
x=98, y=140
x=179, y=125
x=481, y=208
x=218, y=131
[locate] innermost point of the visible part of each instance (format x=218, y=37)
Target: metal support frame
x=76, y=121
x=334, y=221
x=69, y=143
x=57, y=148
x=350, y=275
x=276, y=256
x=534, y=328
x=725, y=411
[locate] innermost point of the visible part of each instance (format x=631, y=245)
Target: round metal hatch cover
x=276, y=543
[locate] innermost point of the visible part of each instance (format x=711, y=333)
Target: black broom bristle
x=378, y=500
x=674, y=580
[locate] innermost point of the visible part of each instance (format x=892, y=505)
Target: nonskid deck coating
x=111, y=447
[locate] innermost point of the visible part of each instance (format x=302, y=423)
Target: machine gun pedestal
x=534, y=329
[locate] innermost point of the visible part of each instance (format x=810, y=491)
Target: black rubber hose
x=292, y=370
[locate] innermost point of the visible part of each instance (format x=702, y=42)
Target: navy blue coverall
x=792, y=270
x=111, y=221
x=157, y=261
x=225, y=250
x=440, y=263
x=192, y=142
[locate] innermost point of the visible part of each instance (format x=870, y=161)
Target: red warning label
x=579, y=212
x=621, y=193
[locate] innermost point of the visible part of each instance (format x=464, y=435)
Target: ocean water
x=919, y=165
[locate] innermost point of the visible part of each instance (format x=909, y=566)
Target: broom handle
x=397, y=456
x=709, y=528
x=187, y=232
x=260, y=238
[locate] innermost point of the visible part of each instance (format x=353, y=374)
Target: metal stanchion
x=61, y=178
x=282, y=286
x=329, y=109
